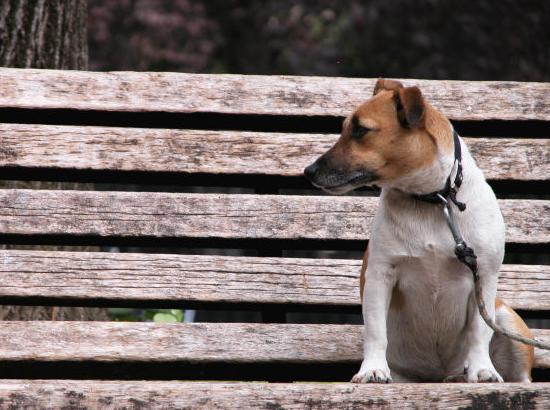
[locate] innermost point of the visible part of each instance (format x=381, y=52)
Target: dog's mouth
x=335, y=184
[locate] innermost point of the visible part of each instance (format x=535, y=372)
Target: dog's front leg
x=478, y=365
x=379, y=283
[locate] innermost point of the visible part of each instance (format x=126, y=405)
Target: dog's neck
x=426, y=180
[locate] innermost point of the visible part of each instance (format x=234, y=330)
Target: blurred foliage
x=490, y=40
x=151, y=35
x=149, y=315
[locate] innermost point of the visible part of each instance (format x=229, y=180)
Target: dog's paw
x=486, y=376
x=372, y=376
x=475, y=375
x=483, y=375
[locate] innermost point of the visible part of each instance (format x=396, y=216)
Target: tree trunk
x=44, y=34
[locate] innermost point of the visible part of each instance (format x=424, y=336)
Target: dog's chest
x=428, y=313
x=434, y=280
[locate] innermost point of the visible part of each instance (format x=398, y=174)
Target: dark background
x=462, y=40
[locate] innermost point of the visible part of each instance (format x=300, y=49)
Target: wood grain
x=101, y=394
x=252, y=94
x=169, y=215
x=132, y=277
x=190, y=342
x=224, y=152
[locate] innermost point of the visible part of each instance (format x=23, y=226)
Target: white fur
x=438, y=332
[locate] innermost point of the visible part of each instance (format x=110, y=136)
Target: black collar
x=448, y=191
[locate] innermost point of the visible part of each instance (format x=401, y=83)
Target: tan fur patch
x=438, y=127
x=383, y=84
x=528, y=352
x=389, y=149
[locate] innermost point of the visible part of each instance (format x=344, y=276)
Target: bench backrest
x=135, y=135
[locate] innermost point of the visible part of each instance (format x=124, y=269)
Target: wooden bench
x=145, y=140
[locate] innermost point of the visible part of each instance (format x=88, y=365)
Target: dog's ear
x=390, y=85
x=410, y=107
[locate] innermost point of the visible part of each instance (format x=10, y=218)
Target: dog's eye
x=358, y=131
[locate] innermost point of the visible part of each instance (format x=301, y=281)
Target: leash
x=463, y=252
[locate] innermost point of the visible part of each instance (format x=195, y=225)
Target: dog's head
x=384, y=139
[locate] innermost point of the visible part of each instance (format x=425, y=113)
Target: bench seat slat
x=102, y=394
x=190, y=342
x=224, y=152
x=169, y=215
x=252, y=94
x=133, y=277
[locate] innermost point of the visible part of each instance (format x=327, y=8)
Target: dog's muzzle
x=336, y=180
x=311, y=170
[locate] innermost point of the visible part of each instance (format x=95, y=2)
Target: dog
x=421, y=320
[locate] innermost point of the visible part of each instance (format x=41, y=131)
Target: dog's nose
x=311, y=170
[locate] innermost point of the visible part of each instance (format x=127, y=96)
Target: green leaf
x=165, y=318
x=178, y=314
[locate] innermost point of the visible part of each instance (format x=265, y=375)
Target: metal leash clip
x=449, y=217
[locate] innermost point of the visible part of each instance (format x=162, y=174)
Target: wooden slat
x=131, y=214
x=134, y=277
x=525, y=286
x=190, y=342
x=241, y=94
x=100, y=394
x=224, y=152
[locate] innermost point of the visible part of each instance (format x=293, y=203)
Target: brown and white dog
x=421, y=318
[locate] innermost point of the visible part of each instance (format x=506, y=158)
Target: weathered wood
x=190, y=342
x=134, y=277
x=131, y=214
x=100, y=394
x=240, y=94
x=525, y=286
x=44, y=34
x=219, y=152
